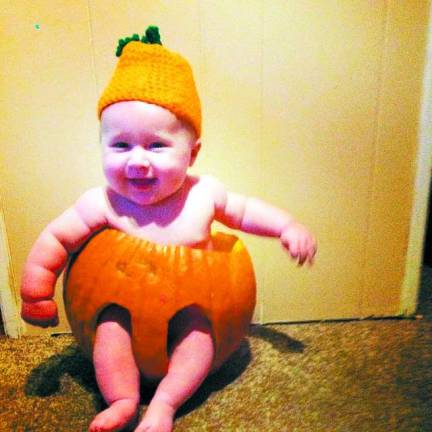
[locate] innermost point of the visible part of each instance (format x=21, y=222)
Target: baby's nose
x=138, y=158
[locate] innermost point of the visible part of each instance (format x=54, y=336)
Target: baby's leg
x=116, y=371
x=191, y=356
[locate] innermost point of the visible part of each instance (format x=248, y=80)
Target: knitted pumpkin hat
x=148, y=72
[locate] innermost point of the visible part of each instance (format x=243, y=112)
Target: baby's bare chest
x=182, y=222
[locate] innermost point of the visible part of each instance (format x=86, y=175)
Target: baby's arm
x=48, y=256
x=252, y=215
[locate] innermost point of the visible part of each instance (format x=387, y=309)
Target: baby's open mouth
x=142, y=182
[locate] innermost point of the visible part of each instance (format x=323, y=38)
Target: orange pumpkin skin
x=153, y=282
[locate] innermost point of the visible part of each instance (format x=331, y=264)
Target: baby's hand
x=299, y=242
x=42, y=313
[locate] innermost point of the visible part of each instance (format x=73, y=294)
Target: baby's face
x=146, y=151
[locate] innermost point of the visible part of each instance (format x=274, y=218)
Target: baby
x=150, y=135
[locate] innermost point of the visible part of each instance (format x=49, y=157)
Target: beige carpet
x=359, y=376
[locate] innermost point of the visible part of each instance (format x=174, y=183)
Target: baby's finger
x=294, y=250
x=311, y=254
x=301, y=260
x=304, y=256
x=301, y=257
x=305, y=251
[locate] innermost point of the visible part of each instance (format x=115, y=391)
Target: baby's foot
x=116, y=417
x=159, y=417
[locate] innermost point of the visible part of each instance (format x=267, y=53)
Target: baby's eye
x=157, y=145
x=120, y=145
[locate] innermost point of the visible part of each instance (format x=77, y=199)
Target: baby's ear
x=196, y=147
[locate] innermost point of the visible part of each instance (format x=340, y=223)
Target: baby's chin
x=148, y=199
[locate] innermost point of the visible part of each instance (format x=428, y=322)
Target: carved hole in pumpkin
x=184, y=321
x=115, y=313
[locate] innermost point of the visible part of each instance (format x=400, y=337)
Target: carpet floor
x=352, y=376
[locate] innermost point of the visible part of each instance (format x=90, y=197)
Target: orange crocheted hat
x=148, y=72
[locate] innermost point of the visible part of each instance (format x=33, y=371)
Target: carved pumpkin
x=153, y=282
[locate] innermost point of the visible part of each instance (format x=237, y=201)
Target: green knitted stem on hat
x=151, y=36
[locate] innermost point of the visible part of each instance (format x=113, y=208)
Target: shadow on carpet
x=45, y=379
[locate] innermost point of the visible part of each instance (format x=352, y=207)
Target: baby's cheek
x=175, y=178
x=169, y=168
x=113, y=167
x=115, y=180
x=107, y=172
